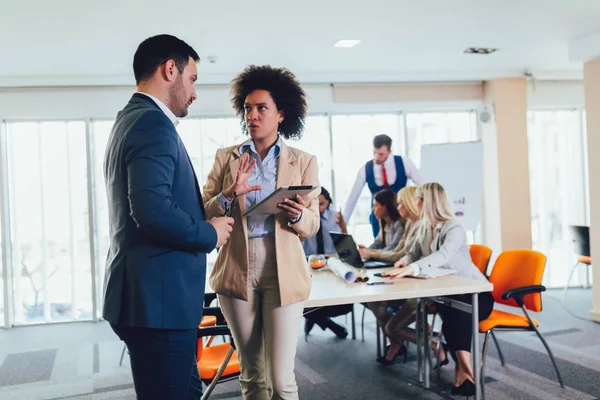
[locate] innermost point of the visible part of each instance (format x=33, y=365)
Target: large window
x=48, y=186
x=100, y=131
x=434, y=128
x=557, y=176
x=316, y=141
x=49, y=221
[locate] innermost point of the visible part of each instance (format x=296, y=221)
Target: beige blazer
x=230, y=274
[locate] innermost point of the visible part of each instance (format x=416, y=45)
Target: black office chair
x=581, y=243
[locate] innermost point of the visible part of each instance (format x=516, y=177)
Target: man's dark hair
x=283, y=87
x=157, y=50
x=382, y=140
x=327, y=196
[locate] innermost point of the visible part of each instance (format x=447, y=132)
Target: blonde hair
x=436, y=207
x=408, y=197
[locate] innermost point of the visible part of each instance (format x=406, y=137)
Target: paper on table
x=434, y=272
x=341, y=270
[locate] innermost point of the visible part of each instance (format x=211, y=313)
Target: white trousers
x=265, y=334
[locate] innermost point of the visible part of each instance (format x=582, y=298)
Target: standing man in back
x=384, y=171
x=156, y=264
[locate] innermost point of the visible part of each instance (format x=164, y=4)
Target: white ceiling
x=69, y=42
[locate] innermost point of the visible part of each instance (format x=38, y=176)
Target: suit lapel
x=198, y=192
x=234, y=164
x=285, y=166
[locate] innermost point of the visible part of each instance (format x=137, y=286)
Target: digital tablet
x=269, y=204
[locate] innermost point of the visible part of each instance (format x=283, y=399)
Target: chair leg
x=122, y=355
x=353, y=324
x=498, y=348
x=378, y=340
x=532, y=325
x=587, y=275
x=550, y=354
x=363, y=323
x=569, y=280
x=215, y=380
x=483, y=358
x=438, y=353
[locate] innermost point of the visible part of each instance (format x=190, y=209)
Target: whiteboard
x=458, y=167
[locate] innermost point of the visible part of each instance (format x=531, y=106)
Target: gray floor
x=80, y=361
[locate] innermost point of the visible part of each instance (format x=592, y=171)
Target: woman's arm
x=396, y=235
x=213, y=187
x=414, y=253
x=454, y=239
x=378, y=243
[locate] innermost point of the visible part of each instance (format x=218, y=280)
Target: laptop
x=348, y=252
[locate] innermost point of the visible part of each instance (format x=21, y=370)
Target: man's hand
x=400, y=264
x=341, y=222
x=223, y=226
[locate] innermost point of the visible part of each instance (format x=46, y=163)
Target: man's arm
x=359, y=183
x=413, y=172
x=150, y=171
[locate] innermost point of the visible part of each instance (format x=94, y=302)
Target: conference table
x=328, y=290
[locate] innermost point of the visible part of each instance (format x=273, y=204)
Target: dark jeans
x=321, y=314
x=163, y=362
x=457, y=327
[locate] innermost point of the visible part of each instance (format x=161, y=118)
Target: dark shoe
x=339, y=330
x=402, y=352
x=308, y=325
x=467, y=388
x=445, y=361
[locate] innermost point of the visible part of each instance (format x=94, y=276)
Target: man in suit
x=156, y=265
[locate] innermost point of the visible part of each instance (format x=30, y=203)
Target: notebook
x=434, y=272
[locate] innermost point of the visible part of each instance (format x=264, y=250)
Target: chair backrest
x=199, y=348
x=518, y=268
x=581, y=239
x=480, y=255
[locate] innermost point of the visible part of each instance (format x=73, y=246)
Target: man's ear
x=169, y=70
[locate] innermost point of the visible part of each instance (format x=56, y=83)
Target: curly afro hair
x=285, y=90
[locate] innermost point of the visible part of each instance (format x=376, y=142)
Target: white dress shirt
x=411, y=171
x=163, y=107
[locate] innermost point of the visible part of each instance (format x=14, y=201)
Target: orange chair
x=206, y=321
x=517, y=277
x=216, y=363
x=481, y=255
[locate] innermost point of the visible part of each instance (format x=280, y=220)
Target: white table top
x=328, y=289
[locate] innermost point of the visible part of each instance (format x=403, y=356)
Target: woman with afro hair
x=261, y=275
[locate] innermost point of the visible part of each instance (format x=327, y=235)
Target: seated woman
x=442, y=242
x=322, y=243
x=385, y=209
x=395, y=325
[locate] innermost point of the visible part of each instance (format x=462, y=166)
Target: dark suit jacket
x=156, y=264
